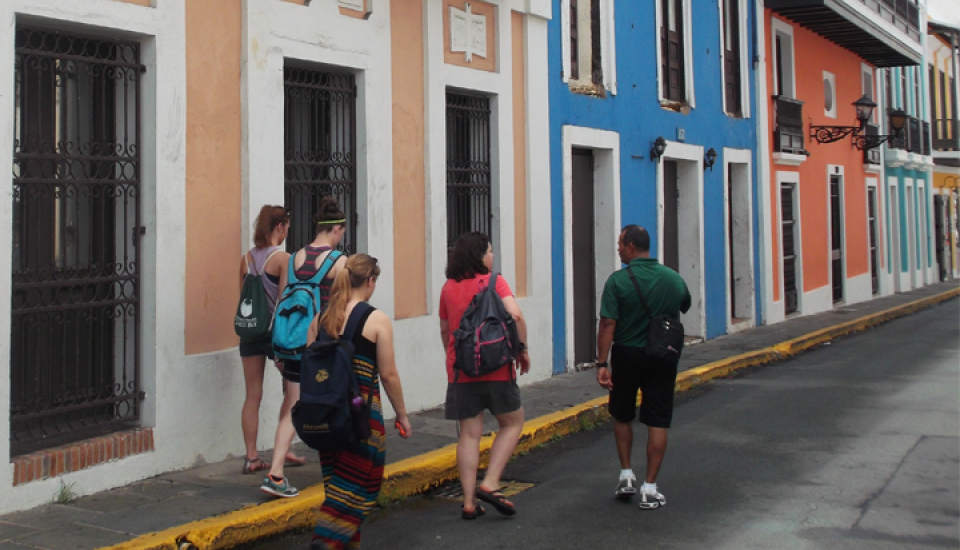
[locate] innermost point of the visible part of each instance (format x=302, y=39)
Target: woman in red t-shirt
x=468, y=272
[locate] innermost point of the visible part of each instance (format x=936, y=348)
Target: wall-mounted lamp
x=864, y=107
x=709, y=159
x=659, y=147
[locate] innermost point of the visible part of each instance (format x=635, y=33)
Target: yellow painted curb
x=417, y=474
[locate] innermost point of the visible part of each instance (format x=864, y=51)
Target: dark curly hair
x=466, y=258
x=329, y=211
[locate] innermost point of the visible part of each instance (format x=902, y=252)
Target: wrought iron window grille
x=468, y=165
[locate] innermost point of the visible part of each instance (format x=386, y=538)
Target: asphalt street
x=855, y=444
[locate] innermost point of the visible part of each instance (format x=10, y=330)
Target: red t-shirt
x=454, y=300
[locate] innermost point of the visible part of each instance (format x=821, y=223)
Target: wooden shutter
x=731, y=56
x=671, y=37
x=574, y=43
x=595, y=44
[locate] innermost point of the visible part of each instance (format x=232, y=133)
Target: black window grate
x=75, y=303
x=468, y=165
x=320, y=143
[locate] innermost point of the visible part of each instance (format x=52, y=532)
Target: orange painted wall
x=409, y=172
x=517, y=21
x=813, y=55
x=488, y=63
x=213, y=173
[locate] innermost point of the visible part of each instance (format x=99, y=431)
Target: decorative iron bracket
x=869, y=142
x=830, y=134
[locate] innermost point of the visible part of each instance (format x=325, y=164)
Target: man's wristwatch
x=602, y=365
x=523, y=348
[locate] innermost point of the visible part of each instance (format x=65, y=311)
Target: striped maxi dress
x=352, y=477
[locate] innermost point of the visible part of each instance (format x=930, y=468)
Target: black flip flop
x=497, y=500
x=477, y=512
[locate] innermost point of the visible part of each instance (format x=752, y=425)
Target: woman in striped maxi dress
x=352, y=477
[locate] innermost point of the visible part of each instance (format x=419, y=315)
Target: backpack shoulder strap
x=358, y=312
x=247, y=258
x=636, y=286
x=325, y=267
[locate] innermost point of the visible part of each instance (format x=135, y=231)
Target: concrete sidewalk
x=214, y=506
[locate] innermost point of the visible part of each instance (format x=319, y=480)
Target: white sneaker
x=651, y=501
x=627, y=488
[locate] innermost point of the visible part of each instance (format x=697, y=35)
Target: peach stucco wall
x=813, y=55
x=409, y=199
x=520, y=150
x=213, y=173
x=489, y=11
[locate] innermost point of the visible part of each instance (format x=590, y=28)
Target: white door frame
x=896, y=253
x=606, y=181
x=792, y=179
x=689, y=159
x=744, y=157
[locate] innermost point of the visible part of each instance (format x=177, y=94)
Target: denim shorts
x=469, y=399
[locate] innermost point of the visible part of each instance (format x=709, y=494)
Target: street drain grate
x=454, y=491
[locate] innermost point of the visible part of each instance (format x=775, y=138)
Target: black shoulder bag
x=665, y=337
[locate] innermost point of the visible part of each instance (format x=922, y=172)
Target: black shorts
x=255, y=349
x=634, y=370
x=290, y=370
x=468, y=399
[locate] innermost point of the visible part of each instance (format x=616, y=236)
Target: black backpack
x=665, y=337
x=487, y=338
x=329, y=416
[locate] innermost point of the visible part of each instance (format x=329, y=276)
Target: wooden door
x=788, y=227
x=731, y=56
x=584, y=259
x=671, y=49
x=671, y=195
x=836, y=238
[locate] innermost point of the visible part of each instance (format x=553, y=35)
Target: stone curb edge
x=417, y=474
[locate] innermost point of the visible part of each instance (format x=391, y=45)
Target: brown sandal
x=254, y=466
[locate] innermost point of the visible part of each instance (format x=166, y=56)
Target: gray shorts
x=469, y=399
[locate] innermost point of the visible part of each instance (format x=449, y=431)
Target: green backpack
x=253, y=320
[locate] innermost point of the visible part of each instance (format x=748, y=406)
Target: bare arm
x=387, y=365
x=445, y=333
x=243, y=270
x=513, y=308
x=604, y=341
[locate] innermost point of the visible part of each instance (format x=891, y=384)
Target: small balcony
x=788, y=130
x=886, y=33
x=946, y=134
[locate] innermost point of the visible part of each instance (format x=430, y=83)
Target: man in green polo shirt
x=624, y=323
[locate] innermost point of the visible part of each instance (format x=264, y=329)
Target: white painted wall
x=738, y=166
x=167, y=378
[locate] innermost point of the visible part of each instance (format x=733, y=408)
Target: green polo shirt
x=664, y=289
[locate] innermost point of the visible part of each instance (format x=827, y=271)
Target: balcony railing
x=914, y=137
x=946, y=134
x=788, y=132
x=872, y=156
x=904, y=14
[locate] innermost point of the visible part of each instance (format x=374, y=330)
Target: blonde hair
x=359, y=269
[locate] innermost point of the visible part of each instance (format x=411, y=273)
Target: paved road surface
x=852, y=445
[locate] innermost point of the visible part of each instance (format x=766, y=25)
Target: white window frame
x=832, y=79
x=608, y=41
x=779, y=27
x=744, y=68
x=874, y=92
x=688, y=86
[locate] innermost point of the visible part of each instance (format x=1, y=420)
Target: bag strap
x=358, y=312
x=643, y=300
x=325, y=267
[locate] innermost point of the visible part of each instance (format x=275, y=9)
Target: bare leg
x=285, y=430
x=656, y=448
x=623, y=432
x=511, y=424
x=468, y=459
x=250, y=414
x=285, y=409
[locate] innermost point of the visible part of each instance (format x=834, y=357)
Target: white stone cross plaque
x=468, y=32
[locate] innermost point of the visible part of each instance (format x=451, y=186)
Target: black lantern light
x=659, y=147
x=710, y=158
x=864, y=110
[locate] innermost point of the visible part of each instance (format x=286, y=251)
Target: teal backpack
x=252, y=321
x=297, y=307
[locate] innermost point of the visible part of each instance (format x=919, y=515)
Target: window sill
x=788, y=159
x=675, y=106
x=581, y=87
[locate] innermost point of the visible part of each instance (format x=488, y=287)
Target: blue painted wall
x=636, y=114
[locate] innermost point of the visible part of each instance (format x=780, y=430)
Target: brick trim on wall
x=82, y=455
